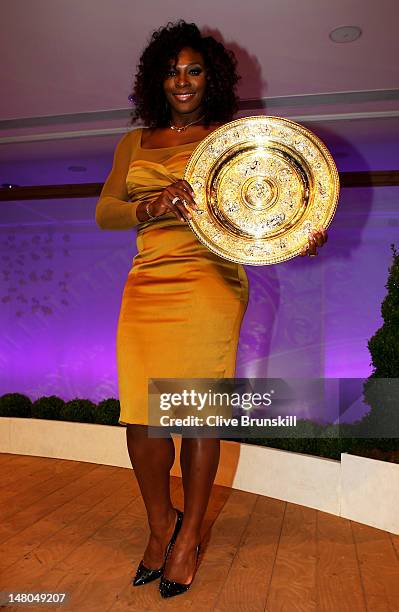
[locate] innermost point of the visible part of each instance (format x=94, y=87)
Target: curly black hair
x=220, y=100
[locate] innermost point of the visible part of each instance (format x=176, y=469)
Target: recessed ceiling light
x=345, y=34
x=77, y=168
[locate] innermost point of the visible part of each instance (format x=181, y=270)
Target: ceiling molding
x=69, y=118
x=339, y=97
x=334, y=97
x=62, y=135
x=45, y=136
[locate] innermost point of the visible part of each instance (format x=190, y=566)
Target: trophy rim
x=297, y=127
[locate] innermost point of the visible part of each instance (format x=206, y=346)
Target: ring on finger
x=175, y=200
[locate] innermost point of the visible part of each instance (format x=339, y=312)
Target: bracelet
x=147, y=206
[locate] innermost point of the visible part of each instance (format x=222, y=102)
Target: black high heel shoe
x=170, y=588
x=144, y=575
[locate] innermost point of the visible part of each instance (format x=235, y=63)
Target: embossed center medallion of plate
x=259, y=192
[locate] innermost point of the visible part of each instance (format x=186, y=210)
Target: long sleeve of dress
x=113, y=210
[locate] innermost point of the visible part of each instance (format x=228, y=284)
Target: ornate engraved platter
x=262, y=184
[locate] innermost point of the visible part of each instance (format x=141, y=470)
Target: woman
x=182, y=305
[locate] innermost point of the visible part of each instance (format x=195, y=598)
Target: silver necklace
x=183, y=128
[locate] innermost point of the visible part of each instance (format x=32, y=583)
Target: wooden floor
x=79, y=528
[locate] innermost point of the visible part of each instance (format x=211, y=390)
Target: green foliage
x=381, y=389
x=48, y=407
x=305, y=428
x=15, y=405
x=80, y=410
x=107, y=412
x=390, y=305
x=384, y=345
x=384, y=350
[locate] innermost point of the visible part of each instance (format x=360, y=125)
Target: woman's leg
x=152, y=460
x=199, y=459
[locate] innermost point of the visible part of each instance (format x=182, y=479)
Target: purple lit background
x=62, y=280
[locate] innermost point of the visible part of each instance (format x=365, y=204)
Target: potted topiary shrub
x=15, y=405
x=107, y=412
x=48, y=407
x=80, y=410
x=381, y=389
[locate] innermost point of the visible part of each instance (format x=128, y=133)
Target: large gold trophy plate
x=262, y=184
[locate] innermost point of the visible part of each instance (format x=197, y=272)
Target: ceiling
x=68, y=67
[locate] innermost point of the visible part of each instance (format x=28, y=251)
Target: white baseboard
x=347, y=488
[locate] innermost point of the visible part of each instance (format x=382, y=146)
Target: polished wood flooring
x=80, y=528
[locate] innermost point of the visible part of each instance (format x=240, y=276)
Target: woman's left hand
x=316, y=240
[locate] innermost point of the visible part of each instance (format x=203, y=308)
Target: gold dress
x=182, y=305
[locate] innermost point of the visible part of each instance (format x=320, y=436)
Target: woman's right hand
x=182, y=194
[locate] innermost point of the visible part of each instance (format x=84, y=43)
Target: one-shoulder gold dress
x=182, y=305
